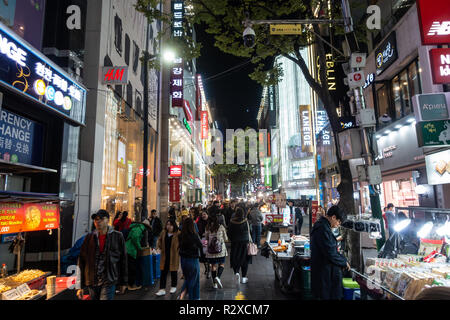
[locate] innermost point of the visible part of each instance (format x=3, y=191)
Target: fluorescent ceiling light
x=425, y=231
x=402, y=225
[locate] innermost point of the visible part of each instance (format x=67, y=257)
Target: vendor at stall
x=326, y=262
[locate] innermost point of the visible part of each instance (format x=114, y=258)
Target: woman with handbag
x=239, y=234
x=216, y=252
x=201, y=226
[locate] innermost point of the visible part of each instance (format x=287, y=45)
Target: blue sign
x=8, y=237
x=27, y=71
x=20, y=139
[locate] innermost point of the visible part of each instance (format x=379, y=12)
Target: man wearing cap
x=102, y=260
x=326, y=262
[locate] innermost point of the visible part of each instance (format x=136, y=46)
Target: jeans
x=191, y=272
x=155, y=241
x=104, y=292
x=256, y=234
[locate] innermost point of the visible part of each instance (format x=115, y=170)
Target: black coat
x=238, y=231
x=190, y=245
x=156, y=226
x=326, y=263
x=116, y=266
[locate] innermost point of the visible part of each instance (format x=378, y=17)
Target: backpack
x=214, y=246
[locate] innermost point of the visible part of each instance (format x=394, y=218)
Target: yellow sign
x=285, y=29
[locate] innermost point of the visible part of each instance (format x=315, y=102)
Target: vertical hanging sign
x=205, y=124
x=177, y=72
x=305, y=116
x=174, y=189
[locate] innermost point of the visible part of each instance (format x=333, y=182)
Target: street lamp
x=169, y=56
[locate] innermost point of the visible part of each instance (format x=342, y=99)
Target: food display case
x=27, y=285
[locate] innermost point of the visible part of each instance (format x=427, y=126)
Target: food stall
x=415, y=257
x=21, y=213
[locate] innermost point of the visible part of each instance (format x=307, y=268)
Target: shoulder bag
x=252, y=249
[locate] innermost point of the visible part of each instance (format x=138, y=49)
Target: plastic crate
x=349, y=283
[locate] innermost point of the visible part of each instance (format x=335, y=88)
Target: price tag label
x=11, y=295
x=23, y=289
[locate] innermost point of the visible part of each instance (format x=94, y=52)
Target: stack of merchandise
x=408, y=275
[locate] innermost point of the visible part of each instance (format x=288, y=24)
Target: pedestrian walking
x=239, y=235
x=156, y=225
x=326, y=262
x=391, y=219
x=102, y=261
x=169, y=245
x=116, y=220
x=133, y=245
x=298, y=221
x=256, y=218
x=201, y=226
x=190, y=246
x=172, y=214
x=123, y=224
x=216, y=253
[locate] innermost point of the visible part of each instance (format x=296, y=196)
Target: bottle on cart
x=4, y=271
x=307, y=249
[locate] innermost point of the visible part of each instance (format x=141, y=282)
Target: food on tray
x=4, y=288
x=27, y=275
x=33, y=217
x=29, y=295
x=448, y=167
x=280, y=248
x=441, y=167
x=299, y=238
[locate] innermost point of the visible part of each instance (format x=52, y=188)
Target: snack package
x=427, y=246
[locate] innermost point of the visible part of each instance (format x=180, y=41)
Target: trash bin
x=144, y=272
x=350, y=287
x=156, y=266
x=306, y=276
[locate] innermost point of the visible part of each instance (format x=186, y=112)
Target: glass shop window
x=383, y=101
x=118, y=34
x=396, y=95
x=405, y=93
x=414, y=79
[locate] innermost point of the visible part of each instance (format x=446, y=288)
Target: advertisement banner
x=30, y=73
x=174, y=190
x=314, y=211
x=176, y=171
x=438, y=168
x=204, y=124
x=440, y=65
x=305, y=121
x=20, y=139
x=18, y=217
x=274, y=218
x=386, y=54
x=177, y=72
x=434, y=22
x=433, y=133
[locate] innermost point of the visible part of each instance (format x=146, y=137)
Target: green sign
x=186, y=124
x=433, y=107
x=268, y=172
x=198, y=195
x=433, y=133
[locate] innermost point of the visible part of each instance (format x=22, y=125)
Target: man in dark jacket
x=102, y=260
x=326, y=262
x=156, y=227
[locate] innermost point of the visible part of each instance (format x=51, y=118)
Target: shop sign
x=198, y=97
x=177, y=71
x=440, y=65
x=321, y=127
x=348, y=122
x=285, y=29
x=268, y=172
x=187, y=126
x=28, y=72
x=188, y=111
x=314, y=211
x=18, y=217
x=358, y=60
x=388, y=152
x=356, y=79
x=434, y=21
x=432, y=106
x=370, y=79
x=386, y=54
x=174, y=189
x=433, y=133
x=274, y=218
x=176, y=171
x=20, y=139
x=438, y=168
x=115, y=75
x=198, y=195
x=331, y=71
x=305, y=120
x=204, y=124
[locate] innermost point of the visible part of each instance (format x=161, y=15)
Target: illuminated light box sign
x=27, y=71
x=440, y=65
x=438, y=168
x=187, y=126
x=386, y=54
x=18, y=217
x=434, y=21
x=433, y=133
x=434, y=106
x=114, y=75
x=205, y=125
x=176, y=171
x=20, y=139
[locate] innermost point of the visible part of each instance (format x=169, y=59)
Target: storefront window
x=383, y=101
x=405, y=92
x=396, y=93
x=414, y=79
x=401, y=193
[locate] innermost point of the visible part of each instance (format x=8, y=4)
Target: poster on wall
x=438, y=168
x=18, y=217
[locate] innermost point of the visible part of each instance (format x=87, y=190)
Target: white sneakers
x=173, y=290
x=218, y=282
x=215, y=286
x=244, y=280
x=238, y=277
x=161, y=293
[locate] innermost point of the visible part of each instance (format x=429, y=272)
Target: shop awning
x=28, y=197
x=20, y=168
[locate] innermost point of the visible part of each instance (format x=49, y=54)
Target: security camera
x=249, y=37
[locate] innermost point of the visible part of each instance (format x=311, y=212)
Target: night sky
x=236, y=95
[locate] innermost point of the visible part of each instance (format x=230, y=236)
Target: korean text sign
x=18, y=217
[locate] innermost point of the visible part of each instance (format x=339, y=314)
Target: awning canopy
x=26, y=197
x=20, y=168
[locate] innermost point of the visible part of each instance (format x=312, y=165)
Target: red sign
x=314, y=211
x=138, y=181
x=18, y=217
x=174, y=190
x=176, y=171
x=434, y=21
x=440, y=65
x=205, y=125
x=198, y=97
x=188, y=111
x=274, y=218
x=176, y=83
x=115, y=75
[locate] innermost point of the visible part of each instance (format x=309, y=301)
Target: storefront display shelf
x=374, y=289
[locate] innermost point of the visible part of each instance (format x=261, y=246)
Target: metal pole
x=59, y=251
